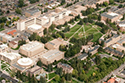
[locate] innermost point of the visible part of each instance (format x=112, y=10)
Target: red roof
x=112, y=80
x=11, y=32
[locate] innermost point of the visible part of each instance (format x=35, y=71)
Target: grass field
x=72, y=30
x=51, y=75
x=96, y=37
x=87, y=30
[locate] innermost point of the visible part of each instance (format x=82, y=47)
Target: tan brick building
x=54, y=44
x=32, y=48
x=114, y=17
x=66, y=68
x=51, y=56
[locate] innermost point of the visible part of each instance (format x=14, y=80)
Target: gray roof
x=95, y=48
x=122, y=22
x=32, y=11
x=82, y=56
x=107, y=15
x=114, y=51
x=18, y=67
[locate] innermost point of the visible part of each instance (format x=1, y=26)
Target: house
x=66, y=68
x=114, y=17
x=83, y=56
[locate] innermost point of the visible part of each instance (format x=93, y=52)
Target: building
x=35, y=28
x=114, y=52
x=44, y=20
x=114, y=80
x=10, y=57
x=121, y=25
x=3, y=48
x=31, y=49
x=119, y=47
x=94, y=49
x=54, y=44
x=13, y=44
x=66, y=68
x=113, y=38
x=32, y=12
x=51, y=56
x=114, y=17
x=83, y=56
x=79, y=8
x=35, y=70
x=5, y=37
x=23, y=64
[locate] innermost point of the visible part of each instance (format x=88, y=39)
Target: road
x=115, y=72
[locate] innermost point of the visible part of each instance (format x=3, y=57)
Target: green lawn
x=91, y=31
x=96, y=37
x=72, y=30
x=51, y=75
x=87, y=27
x=74, y=81
x=1, y=29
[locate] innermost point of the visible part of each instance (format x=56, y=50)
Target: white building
x=9, y=57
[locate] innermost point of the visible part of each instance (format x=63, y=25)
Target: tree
x=111, y=1
x=42, y=80
x=99, y=17
x=45, y=31
x=18, y=11
x=68, y=76
x=8, y=12
x=105, y=4
x=39, y=63
x=49, y=68
x=81, y=22
x=21, y=3
x=98, y=59
x=62, y=80
x=57, y=78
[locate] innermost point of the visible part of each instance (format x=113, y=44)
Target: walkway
x=74, y=33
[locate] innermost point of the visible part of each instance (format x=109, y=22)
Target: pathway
x=74, y=33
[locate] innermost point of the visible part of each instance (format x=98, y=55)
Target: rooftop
x=51, y=54
x=109, y=15
x=82, y=56
x=31, y=45
x=34, y=27
x=11, y=55
x=32, y=11
x=65, y=66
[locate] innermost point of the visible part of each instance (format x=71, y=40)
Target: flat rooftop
x=34, y=27
x=109, y=15
x=51, y=54
x=32, y=45
x=11, y=55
